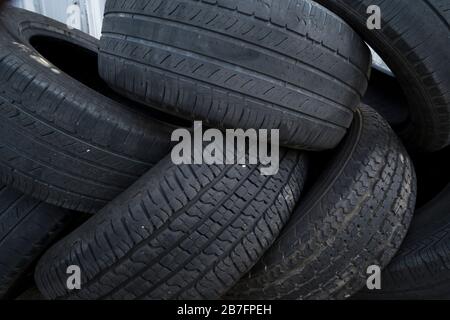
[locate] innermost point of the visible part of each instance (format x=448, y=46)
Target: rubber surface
x=27, y=228
x=414, y=42
x=32, y=294
x=181, y=232
x=387, y=98
x=420, y=270
x=288, y=65
x=356, y=215
x=61, y=141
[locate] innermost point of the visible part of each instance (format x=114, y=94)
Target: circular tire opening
x=82, y=64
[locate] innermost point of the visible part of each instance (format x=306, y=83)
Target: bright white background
x=91, y=13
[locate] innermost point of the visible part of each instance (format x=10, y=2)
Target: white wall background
x=91, y=11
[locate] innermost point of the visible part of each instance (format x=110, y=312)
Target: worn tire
x=61, y=141
x=413, y=42
x=288, y=65
x=356, y=215
x=27, y=228
x=420, y=270
x=31, y=294
x=181, y=232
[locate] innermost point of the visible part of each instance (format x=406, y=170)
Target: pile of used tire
x=89, y=182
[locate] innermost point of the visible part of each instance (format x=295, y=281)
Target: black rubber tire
x=413, y=42
x=61, y=141
x=27, y=228
x=181, y=232
x=421, y=268
x=288, y=65
x=385, y=95
x=356, y=215
x=31, y=294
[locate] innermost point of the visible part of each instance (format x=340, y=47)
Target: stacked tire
x=87, y=129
